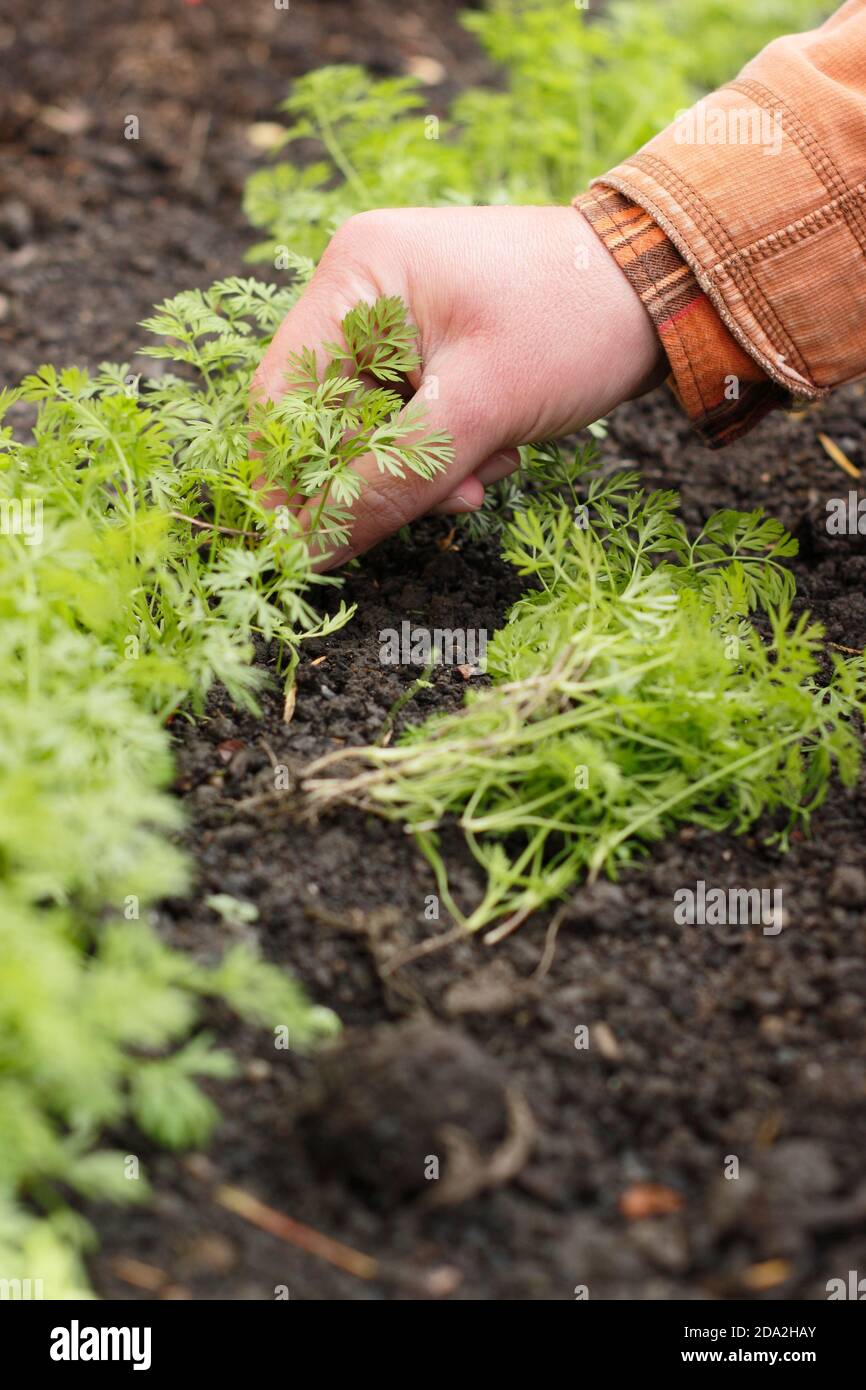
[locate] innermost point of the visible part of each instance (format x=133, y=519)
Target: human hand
x=527, y=330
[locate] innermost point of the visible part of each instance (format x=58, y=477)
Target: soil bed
x=707, y=1042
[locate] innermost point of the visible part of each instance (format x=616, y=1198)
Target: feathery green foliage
x=631, y=692
x=581, y=91
x=158, y=564
x=137, y=564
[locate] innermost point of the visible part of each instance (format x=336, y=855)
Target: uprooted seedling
x=632, y=692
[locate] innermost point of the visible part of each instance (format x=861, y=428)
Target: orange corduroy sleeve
x=743, y=227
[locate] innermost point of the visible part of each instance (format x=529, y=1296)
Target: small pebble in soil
x=848, y=886
x=16, y=222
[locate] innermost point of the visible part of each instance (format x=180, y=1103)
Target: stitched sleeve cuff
x=721, y=388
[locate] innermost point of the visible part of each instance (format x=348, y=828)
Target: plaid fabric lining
x=721, y=388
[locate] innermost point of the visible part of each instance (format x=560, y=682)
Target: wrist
x=629, y=340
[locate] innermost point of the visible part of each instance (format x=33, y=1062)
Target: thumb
x=314, y=320
x=469, y=496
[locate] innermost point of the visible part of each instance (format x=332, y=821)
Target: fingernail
x=498, y=466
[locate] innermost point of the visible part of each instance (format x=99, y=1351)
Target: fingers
x=461, y=408
x=500, y=466
x=315, y=319
x=468, y=497
x=386, y=503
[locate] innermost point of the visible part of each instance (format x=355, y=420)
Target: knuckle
x=358, y=238
x=381, y=506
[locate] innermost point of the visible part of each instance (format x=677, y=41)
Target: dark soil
x=706, y=1043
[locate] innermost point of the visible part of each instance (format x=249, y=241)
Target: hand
x=527, y=330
